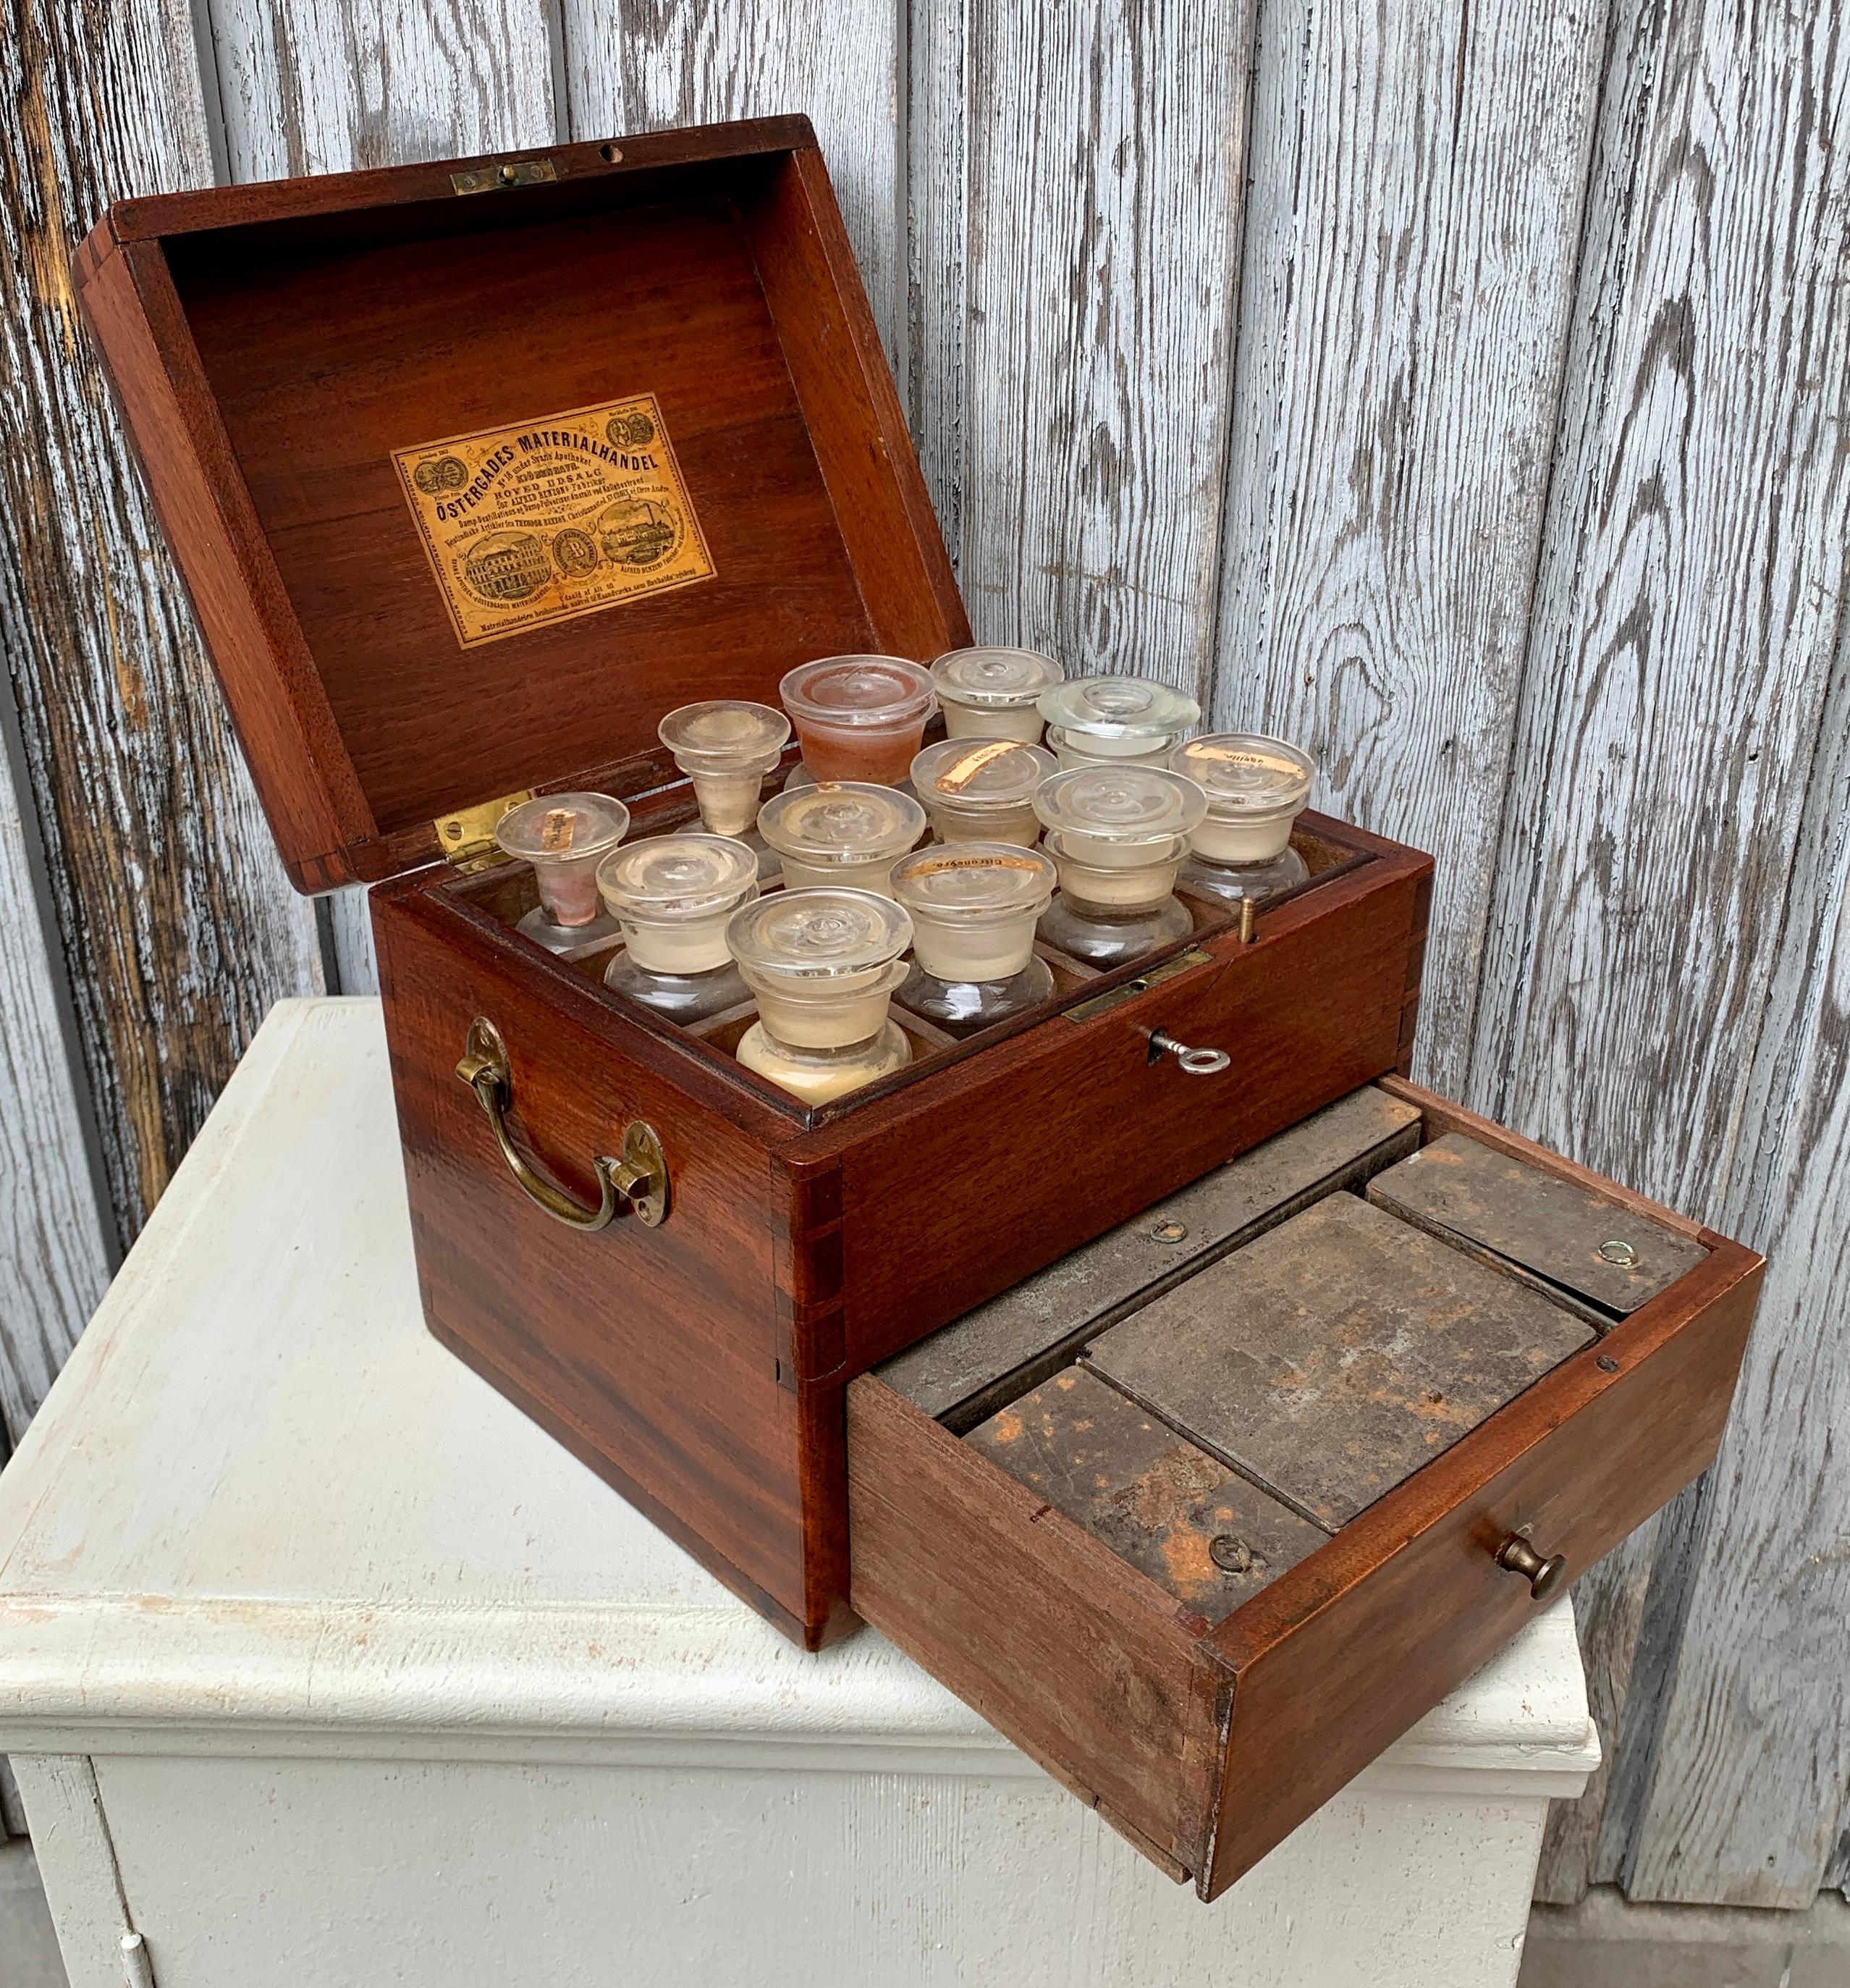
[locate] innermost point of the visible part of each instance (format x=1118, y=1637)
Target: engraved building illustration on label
x=548, y=519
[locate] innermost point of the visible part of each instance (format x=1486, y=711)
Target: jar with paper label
x=1116, y=720
x=841, y=832
x=1119, y=834
x=565, y=836
x=823, y=966
x=1256, y=788
x=975, y=906
x=994, y=693
x=726, y=747
x=860, y=717
x=673, y=895
x=982, y=790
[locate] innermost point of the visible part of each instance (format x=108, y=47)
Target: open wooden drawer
x=1205, y=1718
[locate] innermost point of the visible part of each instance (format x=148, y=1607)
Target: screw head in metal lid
x=818, y=934
x=1119, y=707
x=977, y=773
x=1246, y=774
x=1121, y=803
x=995, y=679
x=558, y=827
x=669, y=877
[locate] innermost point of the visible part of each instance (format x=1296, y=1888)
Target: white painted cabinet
x=319, y=1665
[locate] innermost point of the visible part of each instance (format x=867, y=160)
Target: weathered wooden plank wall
x=1464, y=395
x=171, y=904
x=1689, y=607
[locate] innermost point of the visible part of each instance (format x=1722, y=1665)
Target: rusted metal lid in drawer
x=1331, y=1358
x=1591, y=1252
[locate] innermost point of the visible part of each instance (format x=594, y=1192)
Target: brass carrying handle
x=1518, y=1553
x=637, y=1184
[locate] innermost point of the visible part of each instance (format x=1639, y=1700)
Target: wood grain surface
x=638, y=65
x=1758, y=1671
x=306, y=88
x=57, y=1233
x=169, y=900
x=1075, y=196
x=1411, y=237
x=329, y=86
x=1680, y=658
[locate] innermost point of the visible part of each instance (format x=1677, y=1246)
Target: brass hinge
x=468, y=838
x=516, y=173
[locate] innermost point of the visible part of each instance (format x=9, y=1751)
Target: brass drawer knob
x=1519, y=1554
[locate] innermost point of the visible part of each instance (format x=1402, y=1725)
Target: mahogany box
x=686, y=1276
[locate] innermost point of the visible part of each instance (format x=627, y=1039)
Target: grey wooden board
x=1412, y=235
x=327, y=86
x=1613, y=1591
x=1001, y=1349
x=1464, y=1192
x=641, y=65
x=1331, y=1358
x=169, y=900
x=346, y=927
x=1676, y=762
x=1076, y=178
x=1748, y=1799
x=56, y=1232
x=1151, y=1496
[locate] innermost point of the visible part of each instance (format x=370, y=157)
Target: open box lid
x=476, y=468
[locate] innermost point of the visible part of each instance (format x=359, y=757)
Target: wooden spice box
x=378, y=413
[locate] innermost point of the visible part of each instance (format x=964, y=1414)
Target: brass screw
x=1606, y=1363
x=1169, y=1231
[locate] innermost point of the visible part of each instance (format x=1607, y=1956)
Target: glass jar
x=672, y=895
x=974, y=907
x=992, y=693
x=823, y=966
x=860, y=717
x=1119, y=833
x=1256, y=788
x=841, y=832
x=1092, y=720
x=726, y=747
x=565, y=836
x=982, y=790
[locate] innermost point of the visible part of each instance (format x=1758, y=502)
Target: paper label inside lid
x=551, y=518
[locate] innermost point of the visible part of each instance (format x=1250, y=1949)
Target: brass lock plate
x=514, y=172
x=1100, y=1004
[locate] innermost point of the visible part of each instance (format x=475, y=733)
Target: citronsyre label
x=548, y=519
